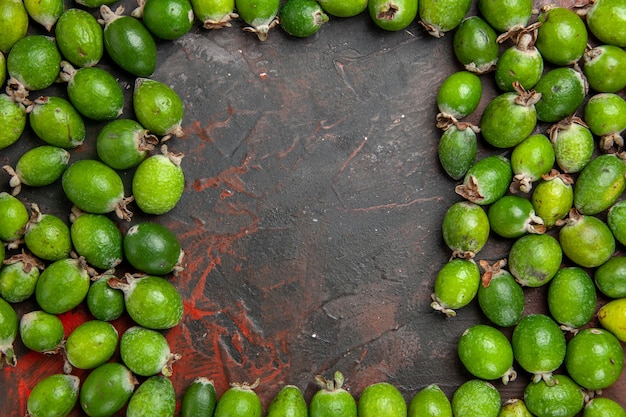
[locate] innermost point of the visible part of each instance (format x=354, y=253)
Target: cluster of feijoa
x=63, y=263
x=549, y=179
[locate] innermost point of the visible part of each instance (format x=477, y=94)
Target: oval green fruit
x=430, y=401
x=610, y=277
x=521, y=63
x=41, y=331
x=535, y=259
x=603, y=407
x=44, y=12
x=200, y=399
x=146, y=352
x=302, y=18
x=602, y=68
x=15, y=216
x=500, y=297
x=34, y=61
x=605, y=114
x=476, y=398
x=18, y=277
x=158, y=107
x=457, y=149
x=154, y=397
x=612, y=317
x=80, y=38
x=531, y=159
x=98, y=239
x=13, y=23
x=475, y=45
x=392, y=16
x=441, y=16
x=37, y=167
x=13, y=118
x=289, y=401
x=47, y=236
x=343, y=8
x=562, y=36
x=539, y=345
x=123, y=143
x=107, y=389
x=55, y=395
x=239, y=400
x=486, y=353
x=152, y=248
x=573, y=144
x=381, y=399
x=514, y=408
x=559, y=396
x=562, y=91
x=166, y=19
x=91, y=344
x=465, y=228
x=332, y=399
x=456, y=285
x=260, y=15
x=586, y=240
x=504, y=15
x=9, y=327
x=606, y=21
x=487, y=180
x=572, y=298
x=553, y=197
x=57, y=122
x=459, y=94
x=105, y=303
x=66, y=277
x=600, y=184
x=513, y=216
x=214, y=14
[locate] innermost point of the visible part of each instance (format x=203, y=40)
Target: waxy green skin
x=553, y=198
x=573, y=144
x=15, y=216
x=57, y=122
x=500, y=297
x=562, y=91
x=98, y=239
x=572, y=298
x=39, y=166
x=602, y=66
x=343, y=8
x=520, y=63
x=457, y=150
x=34, y=61
x=200, y=399
x=105, y=303
x=154, y=397
x=18, y=277
x=600, y=184
x=158, y=107
x=55, y=395
x=214, y=14
x=508, y=119
x=44, y=12
x=487, y=180
x=91, y=344
x=124, y=143
x=603, y=407
x=610, y=277
x=331, y=399
x=13, y=23
x=539, y=345
x=594, y=358
x=459, y=94
x=456, y=285
x=392, y=16
x=9, y=327
x=259, y=14
x=239, y=401
x=41, y=331
x=612, y=317
x=514, y=408
x=302, y=18
x=81, y=87
x=288, y=402
x=47, y=236
x=146, y=352
x=605, y=114
x=465, y=228
x=381, y=399
x=562, y=36
x=158, y=183
x=616, y=220
x=67, y=277
x=439, y=17
x=475, y=45
x=535, y=259
x=3, y=68
x=560, y=397
x=80, y=38
x=504, y=15
x=530, y=160
x=430, y=401
x=107, y=389
x=476, y=398
x=586, y=240
x=166, y=19
x=606, y=21
x=94, y=3
x=13, y=118
x=486, y=353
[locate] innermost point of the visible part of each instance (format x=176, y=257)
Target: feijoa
x=456, y=285
x=214, y=14
x=391, y=16
x=602, y=67
x=152, y=248
x=465, y=228
x=302, y=18
x=44, y=12
x=8, y=332
x=513, y=216
x=13, y=23
x=166, y=19
x=486, y=353
x=562, y=91
x=459, y=94
x=558, y=397
x=14, y=216
x=500, y=297
x=38, y=166
x=146, y=352
x=475, y=45
x=18, y=277
x=343, y=8
x=79, y=38
x=572, y=298
x=41, y=331
x=612, y=317
x=534, y=259
x=331, y=399
x=521, y=63
x=457, y=147
x=605, y=114
x=105, y=303
x=158, y=107
x=562, y=36
x=603, y=407
x=289, y=401
x=439, y=17
x=47, y=236
x=200, y=399
x=91, y=344
x=260, y=15
x=514, y=407
x=57, y=122
x=586, y=240
x=476, y=398
x=124, y=143
x=34, y=62
x=504, y=15
x=606, y=21
x=107, y=389
x=98, y=239
x=62, y=286
x=573, y=144
x=54, y=395
x=430, y=401
x=240, y=400
x=154, y=397
x=13, y=118
x=600, y=184
x=553, y=197
x=487, y=180
x=531, y=159
x=610, y=277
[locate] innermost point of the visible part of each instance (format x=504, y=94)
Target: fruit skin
x=562, y=36
x=553, y=198
x=8, y=332
x=572, y=298
x=465, y=228
x=97, y=238
x=457, y=149
x=605, y=114
x=381, y=399
x=476, y=398
x=214, y=14
x=603, y=407
x=302, y=18
x=55, y=121
x=200, y=399
x=91, y=344
x=504, y=15
x=610, y=277
x=146, y=352
x=459, y=94
x=166, y=19
x=513, y=216
x=155, y=396
x=104, y=303
x=500, y=297
x=65, y=276
x=602, y=67
x=260, y=15
x=152, y=248
x=107, y=389
x=41, y=331
x=80, y=38
x=13, y=23
x=123, y=143
x=487, y=180
x=15, y=216
x=18, y=277
x=392, y=16
x=562, y=91
x=559, y=397
x=535, y=259
x=605, y=19
x=612, y=316
x=34, y=61
x=47, y=236
x=53, y=396
x=573, y=144
x=456, y=285
x=486, y=353
x=586, y=240
x=239, y=400
x=438, y=17
x=158, y=107
x=521, y=63
x=44, y=12
x=331, y=399
x=13, y=118
x=430, y=401
x=530, y=160
x=288, y=402
x=343, y=8
x=39, y=166
x=514, y=408
x=600, y=184
x=475, y=45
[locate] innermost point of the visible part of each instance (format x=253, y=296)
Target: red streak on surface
x=229, y=178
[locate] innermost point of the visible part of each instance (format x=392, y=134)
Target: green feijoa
x=381, y=399
x=39, y=166
x=18, y=277
x=558, y=397
x=602, y=67
x=509, y=118
x=104, y=303
x=514, y=408
x=83, y=84
x=457, y=149
x=504, y=15
x=55, y=395
x=152, y=248
x=586, y=240
x=465, y=228
x=610, y=277
x=534, y=259
x=430, y=401
x=62, y=286
x=600, y=184
x=391, y=16
x=302, y=18
x=166, y=19
x=98, y=239
x=486, y=180
x=475, y=45
x=47, y=236
x=343, y=8
x=606, y=21
x=57, y=122
x=34, y=62
x=603, y=407
x=616, y=221
x=151, y=301
x=456, y=285
x=573, y=144
x=538, y=345
x=260, y=15
x=521, y=63
x=486, y=353
x=91, y=344
x=459, y=94
x=13, y=23
x=612, y=317
x=441, y=16
x=14, y=216
x=331, y=399
x=95, y=188
x=562, y=91
x=154, y=397
x=128, y=42
x=594, y=358
x=158, y=107
x=13, y=118
x=9, y=327
x=3, y=68
x=530, y=160
x=605, y=114
x=158, y=182
x=214, y=14
x=500, y=297
x=146, y=352
x=44, y=12
x=553, y=197
x=476, y=398
x=572, y=298
x=124, y=143
x=107, y=389
x=200, y=399
x=289, y=401
x=40, y=331
x=79, y=38
x=240, y=400
x=512, y=216
x=94, y=3
x=562, y=36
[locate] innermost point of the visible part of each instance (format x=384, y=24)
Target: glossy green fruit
x=605, y=114
x=18, y=277
x=612, y=317
x=200, y=399
x=13, y=118
x=606, y=21
x=521, y=63
x=158, y=107
x=476, y=398
x=504, y=15
x=562, y=36
x=129, y=44
x=391, y=16
x=154, y=397
x=95, y=188
x=98, y=239
x=123, y=143
x=54, y=396
x=616, y=221
x=465, y=228
x=34, y=61
x=39, y=166
x=603, y=407
x=47, y=236
x=456, y=285
x=441, y=16
x=107, y=389
x=487, y=180
x=166, y=19
x=151, y=301
x=14, y=216
x=600, y=184
x=486, y=353
x=531, y=159
x=13, y=23
x=57, y=122
x=240, y=400
x=91, y=344
x=562, y=91
x=535, y=259
x=302, y=18
x=594, y=358
x=457, y=149
x=381, y=399
x=586, y=240
x=105, y=303
x=573, y=144
x=572, y=298
x=152, y=248
x=3, y=68
x=430, y=401
x=610, y=277
x=289, y=401
x=512, y=216
x=553, y=197
x=332, y=399
x=80, y=38
x=475, y=45
x=62, y=286
x=558, y=397
x=343, y=8
x=44, y=12
x=260, y=15
x=146, y=352
x=8, y=332
x=214, y=14
x=41, y=331
x=602, y=68
x=500, y=297
x=94, y=3
x=514, y=408
x=459, y=94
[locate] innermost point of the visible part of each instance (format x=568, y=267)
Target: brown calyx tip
x=224, y=22
x=389, y=12
x=469, y=190
x=490, y=270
